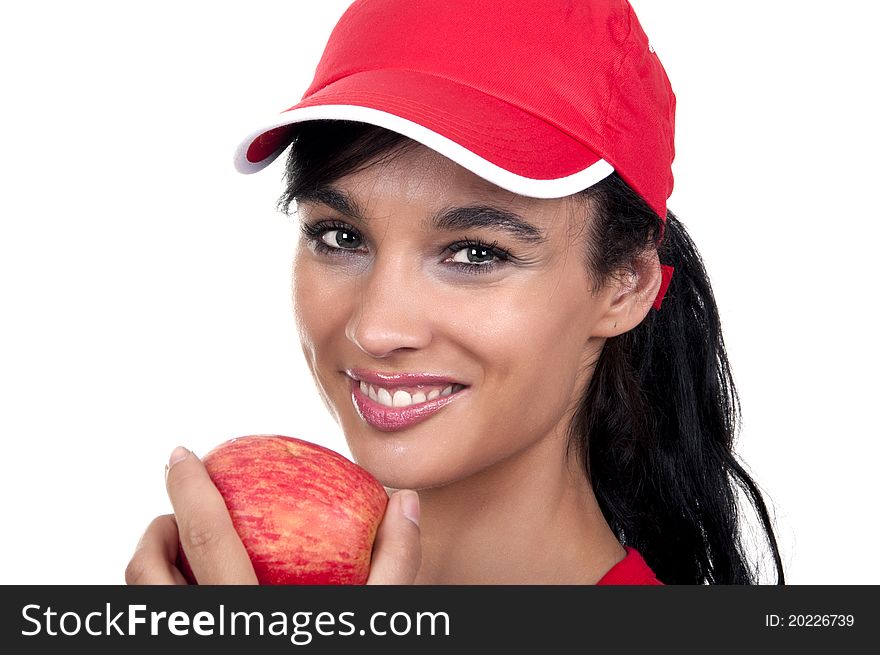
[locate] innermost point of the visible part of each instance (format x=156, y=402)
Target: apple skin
x=305, y=514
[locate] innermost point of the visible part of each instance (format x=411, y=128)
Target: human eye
x=474, y=256
x=332, y=237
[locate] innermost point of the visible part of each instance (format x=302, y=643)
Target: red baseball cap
x=543, y=98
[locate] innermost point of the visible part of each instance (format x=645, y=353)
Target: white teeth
x=401, y=399
x=385, y=398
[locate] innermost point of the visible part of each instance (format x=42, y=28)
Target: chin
x=394, y=473
x=398, y=472
x=412, y=458
x=400, y=477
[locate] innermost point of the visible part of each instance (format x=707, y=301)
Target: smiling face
x=418, y=284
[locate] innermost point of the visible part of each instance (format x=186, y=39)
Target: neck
x=516, y=523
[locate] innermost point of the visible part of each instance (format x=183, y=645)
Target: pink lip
x=400, y=379
x=392, y=419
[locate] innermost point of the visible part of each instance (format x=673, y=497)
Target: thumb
x=397, y=550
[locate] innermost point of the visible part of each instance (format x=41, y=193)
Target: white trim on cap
x=524, y=186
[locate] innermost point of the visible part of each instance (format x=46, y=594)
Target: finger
x=210, y=542
x=154, y=557
x=397, y=550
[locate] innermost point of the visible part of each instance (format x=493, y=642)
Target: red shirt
x=631, y=570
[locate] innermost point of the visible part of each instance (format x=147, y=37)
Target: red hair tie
x=666, y=273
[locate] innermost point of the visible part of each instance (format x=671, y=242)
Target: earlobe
x=630, y=297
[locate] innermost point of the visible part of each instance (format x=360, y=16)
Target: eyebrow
x=491, y=218
x=334, y=199
x=456, y=218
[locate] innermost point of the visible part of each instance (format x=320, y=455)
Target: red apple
x=306, y=514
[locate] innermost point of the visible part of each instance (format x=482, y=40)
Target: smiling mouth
x=407, y=396
x=394, y=408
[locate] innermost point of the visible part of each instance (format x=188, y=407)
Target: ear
x=628, y=297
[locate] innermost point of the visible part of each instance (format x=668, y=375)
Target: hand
x=215, y=553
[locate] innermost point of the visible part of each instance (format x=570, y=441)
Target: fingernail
x=409, y=504
x=178, y=454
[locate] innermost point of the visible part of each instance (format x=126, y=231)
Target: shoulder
x=631, y=570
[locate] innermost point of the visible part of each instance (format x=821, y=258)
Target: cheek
x=529, y=328
x=318, y=304
x=535, y=354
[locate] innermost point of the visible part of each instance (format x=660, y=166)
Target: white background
x=145, y=291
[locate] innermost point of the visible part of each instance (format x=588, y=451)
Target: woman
x=480, y=298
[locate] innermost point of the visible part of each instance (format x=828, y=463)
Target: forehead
x=422, y=182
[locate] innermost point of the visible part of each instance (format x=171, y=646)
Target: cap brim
x=495, y=140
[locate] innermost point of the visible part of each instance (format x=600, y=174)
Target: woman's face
x=420, y=285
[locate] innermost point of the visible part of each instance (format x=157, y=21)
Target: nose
x=390, y=314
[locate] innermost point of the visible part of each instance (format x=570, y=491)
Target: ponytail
x=656, y=426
